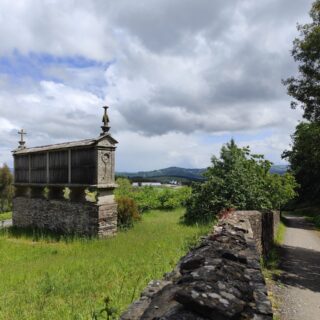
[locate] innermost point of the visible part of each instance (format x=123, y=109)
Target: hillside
x=177, y=172
x=172, y=172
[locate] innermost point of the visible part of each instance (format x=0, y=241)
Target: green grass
x=5, y=216
x=270, y=269
x=70, y=278
x=271, y=266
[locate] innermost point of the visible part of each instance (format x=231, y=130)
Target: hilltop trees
x=238, y=180
x=305, y=89
x=6, y=188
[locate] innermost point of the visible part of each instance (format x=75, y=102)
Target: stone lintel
x=105, y=196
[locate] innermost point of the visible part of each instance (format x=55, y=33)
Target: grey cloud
x=165, y=25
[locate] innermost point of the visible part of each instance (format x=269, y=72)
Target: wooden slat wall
x=21, y=168
x=83, y=163
x=38, y=166
x=58, y=166
x=83, y=166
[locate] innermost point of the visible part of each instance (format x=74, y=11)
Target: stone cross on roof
x=22, y=142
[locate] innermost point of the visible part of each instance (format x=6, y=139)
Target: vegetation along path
x=300, y=264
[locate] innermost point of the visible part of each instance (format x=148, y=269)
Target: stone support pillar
x=107, y=212
x=77, y=194
x=56, y=193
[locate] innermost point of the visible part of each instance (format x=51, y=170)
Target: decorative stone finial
x=22, y=142
x=105, y=119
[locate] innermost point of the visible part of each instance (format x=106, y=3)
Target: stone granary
x=41, y=175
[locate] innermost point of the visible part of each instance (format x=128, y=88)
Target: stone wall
x=264, y=225
x=67, y=217
x=220, y=279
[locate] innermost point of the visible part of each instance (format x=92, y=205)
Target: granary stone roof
x=66, y=145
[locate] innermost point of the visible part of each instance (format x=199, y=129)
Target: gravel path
x=300, y=263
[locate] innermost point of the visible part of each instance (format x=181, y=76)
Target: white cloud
x=173, y=72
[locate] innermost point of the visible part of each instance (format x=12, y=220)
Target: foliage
x=71, y=278
x=148, y=197
x=305, y=88
x=6, y=189
x=127, y=212
x=239, y=180
x=305, y=160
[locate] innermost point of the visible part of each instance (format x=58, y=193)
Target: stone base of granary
x=66, y=217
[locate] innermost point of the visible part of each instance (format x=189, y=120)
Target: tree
x=305, y=88
x=238, y=180
x=6, y=188
x=305, y=160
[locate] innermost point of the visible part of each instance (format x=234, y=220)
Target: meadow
x=43, y=277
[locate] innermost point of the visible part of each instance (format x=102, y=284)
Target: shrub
x=238, y=180
x=127, y=212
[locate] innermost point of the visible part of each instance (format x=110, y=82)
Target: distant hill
x=279, y=169
x=172, y=172
x=182, y=173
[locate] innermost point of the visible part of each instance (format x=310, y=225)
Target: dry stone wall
x=220, y=279
x=67, y=217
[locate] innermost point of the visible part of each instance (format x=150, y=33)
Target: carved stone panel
x=105, y=166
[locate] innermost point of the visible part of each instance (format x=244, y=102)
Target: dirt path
x=300, y=263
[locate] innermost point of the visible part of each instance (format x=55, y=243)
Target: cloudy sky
x=181, y=77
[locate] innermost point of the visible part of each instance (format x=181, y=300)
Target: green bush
x=146, y=198
x=238, y=180
x=149, y=198
x=127, y=212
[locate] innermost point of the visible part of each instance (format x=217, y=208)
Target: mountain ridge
x=187, y=173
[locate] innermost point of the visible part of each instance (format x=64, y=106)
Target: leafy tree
x=6, y=189
x=305, y=88
x=239, y=180
x=305, y=160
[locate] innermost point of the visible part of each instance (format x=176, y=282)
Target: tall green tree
x=304, y=158
x=305, y=87
x=6, y=188
x=239, y=180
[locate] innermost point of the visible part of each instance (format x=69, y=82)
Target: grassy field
x=5, y=216
x=71, y=278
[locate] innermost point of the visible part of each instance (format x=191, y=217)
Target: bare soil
x=299, y=283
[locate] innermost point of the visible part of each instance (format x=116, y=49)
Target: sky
x=181, y=77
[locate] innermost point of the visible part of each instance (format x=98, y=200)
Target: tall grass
x=73, y=278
